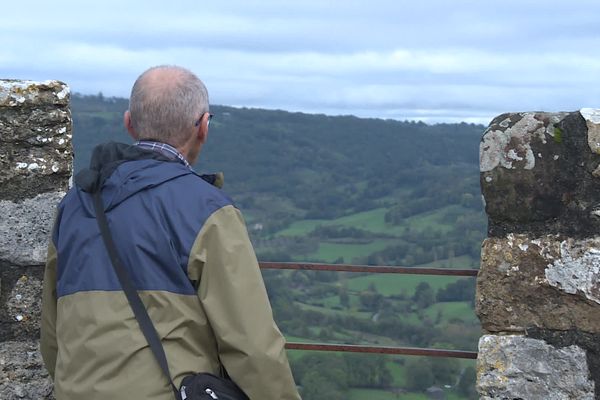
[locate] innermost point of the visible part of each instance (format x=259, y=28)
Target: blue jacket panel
x=155, y=210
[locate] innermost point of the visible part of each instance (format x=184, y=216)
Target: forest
x=342, y=189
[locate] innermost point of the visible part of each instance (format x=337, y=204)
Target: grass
x=452, y=310
x=398, y=372
x=334, y=301
x=433, y=220
x=460, y=262
x=290, y=338
x=329, y=252
x=374, y=221
x=394, y=284
x=302, y=228
x=330, y=311
x=373, y=394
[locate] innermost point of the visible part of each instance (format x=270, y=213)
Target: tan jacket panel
x=48, y=343
x=102, y=354
x=233, y=295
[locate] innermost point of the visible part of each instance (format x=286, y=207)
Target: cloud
x=429, y=60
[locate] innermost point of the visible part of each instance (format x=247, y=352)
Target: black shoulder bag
x=198, y=386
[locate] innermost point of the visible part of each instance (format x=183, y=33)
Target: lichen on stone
x=17, y=93
x=592, y=120
x=509, y=146
x=577, y=271
x=517, y=367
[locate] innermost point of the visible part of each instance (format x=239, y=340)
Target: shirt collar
x=163, y=148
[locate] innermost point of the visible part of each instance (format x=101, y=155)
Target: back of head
x=165, y=103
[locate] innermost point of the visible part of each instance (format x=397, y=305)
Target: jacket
x=187, y=251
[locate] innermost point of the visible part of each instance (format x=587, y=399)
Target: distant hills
x=319, y=166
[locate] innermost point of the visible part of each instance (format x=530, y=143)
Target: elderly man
x=186, y=250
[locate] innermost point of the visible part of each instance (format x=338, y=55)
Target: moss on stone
x=558, y=133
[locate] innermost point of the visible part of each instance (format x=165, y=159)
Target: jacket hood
x=120, y=170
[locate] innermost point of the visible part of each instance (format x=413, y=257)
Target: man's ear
x=129, y=125
x=203, y=135
x=203, y=131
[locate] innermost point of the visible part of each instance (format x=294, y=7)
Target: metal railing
x=413, y=351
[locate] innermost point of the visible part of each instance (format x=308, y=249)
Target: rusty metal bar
x=410, y=351
x=370, y=269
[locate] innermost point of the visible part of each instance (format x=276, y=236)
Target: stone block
x=26, y=228
x=516, y=367
x=22, y=375
x=35, y=138
x=551, y=282
x=23, y=93
x=21, y=299
x=540, y=174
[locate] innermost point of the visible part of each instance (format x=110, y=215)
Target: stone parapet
x=36, y=164
x=538, y=289
x=35, y=138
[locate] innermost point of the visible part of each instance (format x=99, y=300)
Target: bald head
x=165, y=103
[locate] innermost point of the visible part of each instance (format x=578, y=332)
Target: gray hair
x=166, y=109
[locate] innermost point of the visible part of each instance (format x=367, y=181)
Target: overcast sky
x=430, y=60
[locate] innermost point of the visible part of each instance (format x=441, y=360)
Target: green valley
x=317, y=188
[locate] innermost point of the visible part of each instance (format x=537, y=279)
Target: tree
x=322, y=376
x=444, y=370
x=370, y=300
x=424, y=295
x=418, y=374
x=461, y=290
x=367, y=370
x=316, y=386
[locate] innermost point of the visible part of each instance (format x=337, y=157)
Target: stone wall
x=36, y=164
x=538, y=290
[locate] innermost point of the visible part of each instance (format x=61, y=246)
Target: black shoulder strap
x=139, y=310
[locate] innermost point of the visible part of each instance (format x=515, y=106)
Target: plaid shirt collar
x=163, y=148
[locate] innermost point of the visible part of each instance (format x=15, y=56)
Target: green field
x=460, y=262
x=374, y=221
x=398, y=371
x=290, y=338
x=395, y=284
x=452, y=310
x=372, y=394
x=434, y=220
x=329, y=311
x=330, y=252
x=445, y=311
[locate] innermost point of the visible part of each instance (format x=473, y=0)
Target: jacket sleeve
x=233, y=294
x=48, y=345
